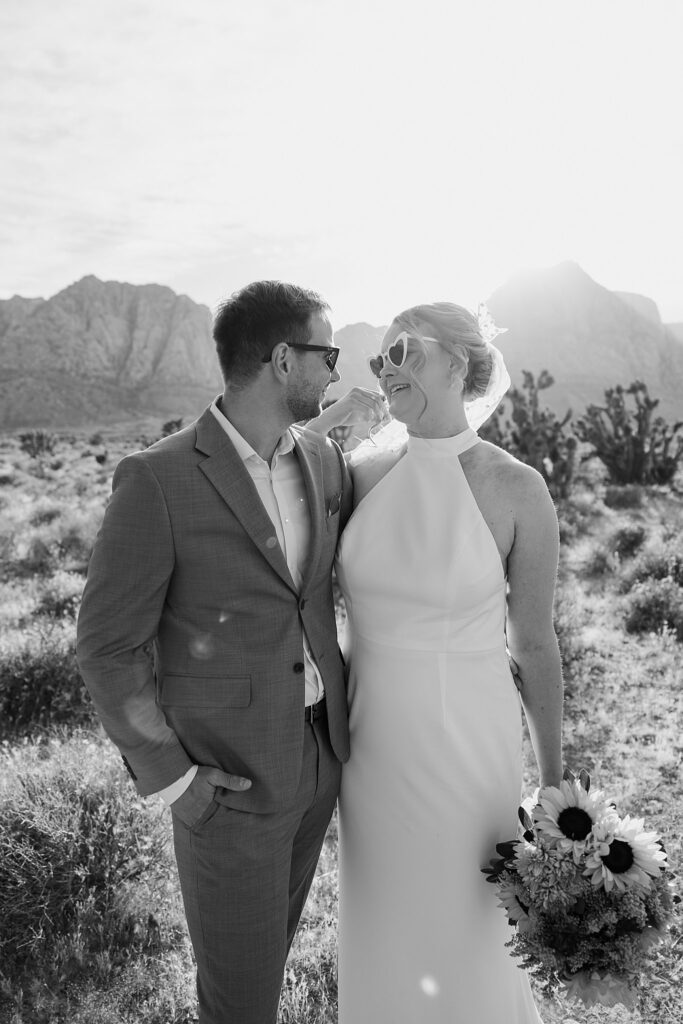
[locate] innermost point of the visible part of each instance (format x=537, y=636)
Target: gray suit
x=190, y=642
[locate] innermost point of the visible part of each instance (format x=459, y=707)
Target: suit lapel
x=311, y=464
x=224, y=468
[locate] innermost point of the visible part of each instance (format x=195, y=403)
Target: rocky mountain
x=105, y=352
x=559, y=319
x=588, y=338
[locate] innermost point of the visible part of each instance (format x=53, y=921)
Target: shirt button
x=298, y=666
x=271, y=542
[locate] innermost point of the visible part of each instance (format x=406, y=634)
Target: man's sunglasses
x=397, y=353
x=330, y=358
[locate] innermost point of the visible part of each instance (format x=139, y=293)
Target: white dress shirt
x=282, y=490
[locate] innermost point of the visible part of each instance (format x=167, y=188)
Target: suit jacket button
x=298, y=666
x=271, y=542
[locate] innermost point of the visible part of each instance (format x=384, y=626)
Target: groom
x=207, y=640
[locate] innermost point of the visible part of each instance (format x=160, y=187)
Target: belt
x=315, y=711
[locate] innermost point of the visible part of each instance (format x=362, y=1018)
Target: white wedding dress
x=434, y=778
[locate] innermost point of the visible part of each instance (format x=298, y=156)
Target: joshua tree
x=535, y=435
x=635, y=447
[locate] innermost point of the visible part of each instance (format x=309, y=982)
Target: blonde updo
x=465, y=335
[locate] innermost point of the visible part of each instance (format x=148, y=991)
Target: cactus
x=535, y=435
x=634, y=447
x=37, y=443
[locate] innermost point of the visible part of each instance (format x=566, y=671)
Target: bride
x=447, y=563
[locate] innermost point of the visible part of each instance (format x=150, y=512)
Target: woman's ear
x=455, y=375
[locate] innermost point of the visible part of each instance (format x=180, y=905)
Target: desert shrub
x=40, y=685
x=626, y=496
x=37, y=443
x=600, y=562
x=74, y=837
x=576, y=514
x=171, y=427
x=535, y=435
x=61, y=595
x=96, y=439
x=606, y=558
x=36, y=556
x=152, y=988
x=76, y=541
x=635, y=447
x=627, y=540
x=657, y=564
x=45, y=512
x=655, y=605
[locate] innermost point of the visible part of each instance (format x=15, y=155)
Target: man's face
x=312, y=378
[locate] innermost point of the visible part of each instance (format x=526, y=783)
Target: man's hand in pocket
x=194, y=802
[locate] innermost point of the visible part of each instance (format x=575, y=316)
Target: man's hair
x=248, y=325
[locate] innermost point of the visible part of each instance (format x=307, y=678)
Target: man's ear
x=281, y=361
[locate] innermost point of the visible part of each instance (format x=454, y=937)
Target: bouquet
x=588, y=892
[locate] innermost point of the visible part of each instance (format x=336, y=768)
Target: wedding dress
x=434, y=778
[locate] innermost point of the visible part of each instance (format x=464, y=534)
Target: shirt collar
x=245, y=451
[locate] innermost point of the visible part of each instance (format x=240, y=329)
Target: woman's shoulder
x=368, y=465
x=523, y=483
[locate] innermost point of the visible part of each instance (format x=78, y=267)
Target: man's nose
x=335, y=376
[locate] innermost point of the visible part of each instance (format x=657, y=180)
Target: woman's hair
x=462, y=334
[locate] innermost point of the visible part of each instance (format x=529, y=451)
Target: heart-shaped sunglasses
x=397, y=353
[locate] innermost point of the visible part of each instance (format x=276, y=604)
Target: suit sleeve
x=128, y=576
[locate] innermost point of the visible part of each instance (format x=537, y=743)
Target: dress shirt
x=282, y=491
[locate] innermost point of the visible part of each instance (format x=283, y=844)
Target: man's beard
x=303, y=402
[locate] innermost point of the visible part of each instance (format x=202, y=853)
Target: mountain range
x=100, y=353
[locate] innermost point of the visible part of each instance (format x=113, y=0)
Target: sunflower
x=624, y=856
x=512, y=905
x=565, y=816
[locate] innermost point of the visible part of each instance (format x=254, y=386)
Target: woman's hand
x=359, y=405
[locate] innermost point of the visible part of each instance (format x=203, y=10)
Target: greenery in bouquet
x=588, y=892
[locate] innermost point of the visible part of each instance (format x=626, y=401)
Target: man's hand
x=359, y=405
x=193, y=804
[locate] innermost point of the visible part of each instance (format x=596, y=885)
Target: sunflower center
x=619, y=858
x=575, y=823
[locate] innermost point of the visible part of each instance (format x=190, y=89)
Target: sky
x=383, y=152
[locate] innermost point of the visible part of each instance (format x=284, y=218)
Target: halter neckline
x=442, y=447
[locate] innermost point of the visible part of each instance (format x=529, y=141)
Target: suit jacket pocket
x=206, y=691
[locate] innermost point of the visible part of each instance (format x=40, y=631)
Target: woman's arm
x=532, y=572
x=359, y=405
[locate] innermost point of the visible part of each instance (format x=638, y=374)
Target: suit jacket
x=190, y=629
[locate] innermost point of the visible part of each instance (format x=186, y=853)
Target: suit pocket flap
x=206, y=691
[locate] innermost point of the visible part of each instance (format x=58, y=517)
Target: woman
x=449, y=558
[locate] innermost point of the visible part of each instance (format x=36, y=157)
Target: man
x=207, y=639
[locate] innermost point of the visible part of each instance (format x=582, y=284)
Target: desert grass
x=93, y=929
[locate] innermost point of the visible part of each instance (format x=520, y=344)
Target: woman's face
x=406, y=401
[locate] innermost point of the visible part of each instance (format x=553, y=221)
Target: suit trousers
x=244, y=878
